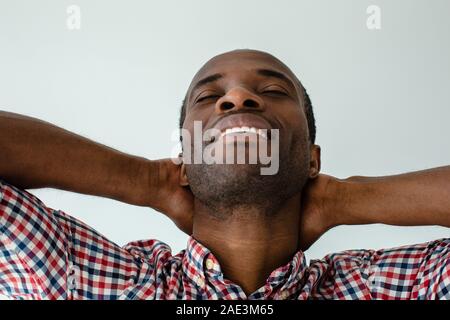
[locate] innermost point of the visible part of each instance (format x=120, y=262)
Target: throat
x=248, y=244
x=249, y=264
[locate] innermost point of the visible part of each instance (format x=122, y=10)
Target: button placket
x=209, y=264
x=72, y=278
x=284, y=295
x=200, y=282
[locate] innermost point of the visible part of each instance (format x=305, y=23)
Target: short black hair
x=308, y=111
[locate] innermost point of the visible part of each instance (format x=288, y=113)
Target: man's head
x=253, y=89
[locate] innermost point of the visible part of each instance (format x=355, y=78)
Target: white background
x=381, y=97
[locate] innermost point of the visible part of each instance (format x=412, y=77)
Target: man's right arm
x=46, y=253
x=37, y=154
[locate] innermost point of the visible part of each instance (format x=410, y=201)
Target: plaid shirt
x=47, y=254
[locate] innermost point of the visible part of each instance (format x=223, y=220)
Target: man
x=247, y=230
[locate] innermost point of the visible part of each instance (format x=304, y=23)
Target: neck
x=248, y=242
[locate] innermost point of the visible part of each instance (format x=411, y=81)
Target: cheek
x=296, y=126
x=198, y=119
x=293, y=143
x=200, y=113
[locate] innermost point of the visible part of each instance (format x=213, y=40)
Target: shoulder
x=419, y=271
x=11, y=196
x=427, y=250
x=153, y=251
x=407, y=257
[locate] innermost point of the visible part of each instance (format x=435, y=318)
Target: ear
x=183, y=177
x=314, y=162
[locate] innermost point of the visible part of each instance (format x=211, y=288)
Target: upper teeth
x=261, y=132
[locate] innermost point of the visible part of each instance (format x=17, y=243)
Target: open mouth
x=241, y=126
x=237, y=132
x=264, y=133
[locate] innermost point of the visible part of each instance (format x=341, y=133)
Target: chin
x=233, y=185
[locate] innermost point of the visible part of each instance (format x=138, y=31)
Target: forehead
x=239, y=62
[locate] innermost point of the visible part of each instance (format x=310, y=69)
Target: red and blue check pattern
x=47, y=254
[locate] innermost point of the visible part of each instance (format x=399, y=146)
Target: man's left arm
x=408, y=199
x=418, y=271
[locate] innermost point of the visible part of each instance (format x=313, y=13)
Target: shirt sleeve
x=418, y=272
x=47, y=254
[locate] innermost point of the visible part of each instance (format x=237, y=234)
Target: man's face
x=248, y=89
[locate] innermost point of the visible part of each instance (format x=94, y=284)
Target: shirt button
x=209, y=264
x=72, y=283
x=200, y=282
x=72, y=277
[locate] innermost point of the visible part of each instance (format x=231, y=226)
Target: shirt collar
x=201, y=263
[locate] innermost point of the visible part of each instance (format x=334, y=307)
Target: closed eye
x=207, y=97
x=275, y=92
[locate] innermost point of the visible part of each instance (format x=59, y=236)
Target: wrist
x=349, y=200
x=341, y=196
x=138, y=181
x=333, y=202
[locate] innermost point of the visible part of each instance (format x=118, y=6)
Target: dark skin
x=37, y=154
x=250, y=244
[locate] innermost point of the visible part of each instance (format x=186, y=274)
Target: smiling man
x=249, y=220
x=247, y=230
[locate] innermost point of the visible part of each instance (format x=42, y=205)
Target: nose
x=237, y=99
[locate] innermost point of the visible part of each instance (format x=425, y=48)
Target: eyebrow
x=275, y=74
x=262, y=72
x=208, y=79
